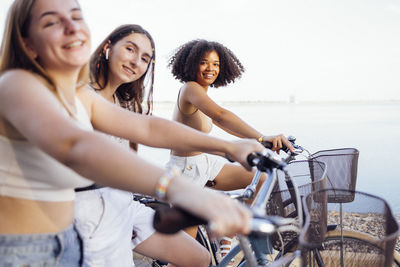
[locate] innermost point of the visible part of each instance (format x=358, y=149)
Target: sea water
x=372, y=128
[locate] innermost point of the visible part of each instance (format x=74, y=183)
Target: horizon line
x=395, y=101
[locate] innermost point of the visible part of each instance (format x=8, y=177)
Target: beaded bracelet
x=164, y=181
x=260, y=139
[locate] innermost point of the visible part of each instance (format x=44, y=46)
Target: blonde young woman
x=48, y=145
x=106, y=217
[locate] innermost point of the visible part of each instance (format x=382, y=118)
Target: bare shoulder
x=198, y=97
x=87, y=96
x=12, y=73
x=30, y=95
x=192, y=89
x=17, y=77
x=85, y=92
x=191, y=86
x=23, y=84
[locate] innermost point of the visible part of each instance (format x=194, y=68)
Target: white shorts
x=105, y=219
x=200, y=168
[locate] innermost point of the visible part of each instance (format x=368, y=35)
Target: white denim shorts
x=200, y=168
x=105, y=219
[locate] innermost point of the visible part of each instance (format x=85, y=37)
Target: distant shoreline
x=233, y=103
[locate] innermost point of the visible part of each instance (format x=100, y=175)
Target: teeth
x=75, y=44
x=128, y=70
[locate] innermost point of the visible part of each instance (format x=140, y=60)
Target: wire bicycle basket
x=309, y=176
x=342, y=172
x=367, y=235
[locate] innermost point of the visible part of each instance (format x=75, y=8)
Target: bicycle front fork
x=262, y=247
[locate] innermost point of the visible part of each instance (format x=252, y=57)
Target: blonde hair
x=13, y=52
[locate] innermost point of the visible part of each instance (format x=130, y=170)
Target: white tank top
x=27, y=172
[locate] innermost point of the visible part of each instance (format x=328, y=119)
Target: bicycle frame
x=284, y=204
x=261, y=245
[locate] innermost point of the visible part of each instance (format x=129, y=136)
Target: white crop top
x=27, y=172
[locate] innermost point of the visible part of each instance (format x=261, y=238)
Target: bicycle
x=341, y=172
x=202, y=236
x=343, y=176
x=366, y=236
x=310, y=175
x=346, y=158
x=326, y=249
x=340, y=194
x=269, y=163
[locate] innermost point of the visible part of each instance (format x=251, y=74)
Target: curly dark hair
x=186, y=59
x=130, y=95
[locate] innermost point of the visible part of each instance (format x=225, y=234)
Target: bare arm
x=37, y=115
x=228, y=130
x=226, y=119
x=158, y=132
x=222, y=117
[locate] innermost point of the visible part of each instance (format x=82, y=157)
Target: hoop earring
x=107, y=51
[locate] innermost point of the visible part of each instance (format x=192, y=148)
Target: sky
x=309, y=50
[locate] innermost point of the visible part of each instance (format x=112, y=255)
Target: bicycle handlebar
x=291, y=139
x=265, y=160
x=268, y=159
x=170, y=220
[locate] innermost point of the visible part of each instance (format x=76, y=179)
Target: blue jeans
x=39, y=250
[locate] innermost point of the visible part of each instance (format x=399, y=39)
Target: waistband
x=90, y=187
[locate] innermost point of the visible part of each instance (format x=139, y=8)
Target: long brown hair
x=13, y=52
x=130, y=95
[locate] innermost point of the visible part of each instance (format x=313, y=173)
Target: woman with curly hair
x=200, y=64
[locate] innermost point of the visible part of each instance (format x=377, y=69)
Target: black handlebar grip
x=169, y=220
x=250, y=159
x=267, y=144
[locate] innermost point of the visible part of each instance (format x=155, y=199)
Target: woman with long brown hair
x=50, y=141
x=120, y=68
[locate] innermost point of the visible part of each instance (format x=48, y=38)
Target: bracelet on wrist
x=260, y=139
x=163, y=182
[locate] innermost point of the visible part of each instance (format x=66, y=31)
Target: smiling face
x=130, y=58
x=208, y=69
x=58, y=37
